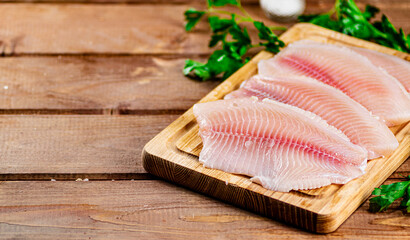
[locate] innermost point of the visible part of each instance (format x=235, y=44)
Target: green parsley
x=387, y=194
x=346, y=17
x=234, y=39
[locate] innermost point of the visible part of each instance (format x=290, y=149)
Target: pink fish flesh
x=280, y=146
x=395, y=66
x=347, y=71
x=336, y=108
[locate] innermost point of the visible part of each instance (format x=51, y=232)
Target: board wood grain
x=318, y=211
x=126, y=29
x=156, y=210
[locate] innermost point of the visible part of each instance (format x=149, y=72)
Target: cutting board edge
x=155, y=163
x=158, y=156
x=206, y=185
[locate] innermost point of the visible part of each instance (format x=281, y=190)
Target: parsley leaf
x=215, y=38
x=219, y=24
x=235, y=40
x=272, y=44
x=406, y=200
x=220, y=3
x=370, y=12
x=387, y=194
x=392, y=38
x=200, y=69
x=308, y=17
x=353, y=22
x=192, y=17
x=220, y=62
x=242, y=36
x=346, y=17
x=327, y=22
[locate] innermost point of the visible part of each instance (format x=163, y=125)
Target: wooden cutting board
x=173, y=155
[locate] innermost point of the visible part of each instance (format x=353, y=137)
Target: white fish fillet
x=339, y=110
x=395, y=66
x=280, y=146
x=347, y=71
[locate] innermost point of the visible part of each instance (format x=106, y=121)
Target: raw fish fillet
x=395, y=66
x=280, y=146
x=347, y=71
x=336, y=108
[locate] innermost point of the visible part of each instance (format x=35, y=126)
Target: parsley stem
x=247, y=18
x=212, y=10
x=278, y=28
x=337, y=9
x=244, y=11
x=244, y=19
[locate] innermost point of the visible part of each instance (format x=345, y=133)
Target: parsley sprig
x=346, y=17
x=234, y=39
x=387, y=194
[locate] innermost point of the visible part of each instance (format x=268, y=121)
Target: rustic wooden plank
x=124, y=29
x=107, y=28
x=156, y=210
x=89, y=145
x=97, y=84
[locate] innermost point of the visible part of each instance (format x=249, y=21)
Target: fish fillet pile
x=314, y=115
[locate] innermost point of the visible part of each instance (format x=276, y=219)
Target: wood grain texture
x=108, y=29
x=156, y=210
x=322, y=211
x=96, y=84
x=125, y=29
x=64, y=144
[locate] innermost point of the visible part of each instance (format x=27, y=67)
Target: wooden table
x=83, y=86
